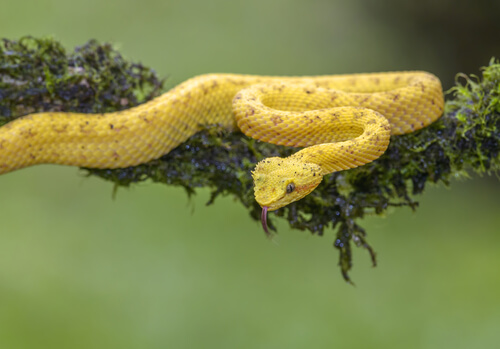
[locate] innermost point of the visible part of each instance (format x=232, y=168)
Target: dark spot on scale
x=276, y=119
x=60, y=130
x=111, y=126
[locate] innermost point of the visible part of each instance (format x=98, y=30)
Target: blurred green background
x=152, y=269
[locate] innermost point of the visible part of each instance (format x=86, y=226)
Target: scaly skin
x=344, y=121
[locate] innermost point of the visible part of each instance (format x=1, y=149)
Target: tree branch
x=38, y=75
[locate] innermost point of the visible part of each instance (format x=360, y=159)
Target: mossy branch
x=38, y=75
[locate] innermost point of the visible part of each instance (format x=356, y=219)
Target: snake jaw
x=264, y=220
x=281, y=181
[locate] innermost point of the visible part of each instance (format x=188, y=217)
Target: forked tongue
x=264, y=220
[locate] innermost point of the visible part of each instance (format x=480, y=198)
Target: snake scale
x=341, y=121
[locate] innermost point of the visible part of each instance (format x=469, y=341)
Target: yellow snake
x=343, y=121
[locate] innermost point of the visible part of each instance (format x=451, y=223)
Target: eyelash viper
x=342, y=121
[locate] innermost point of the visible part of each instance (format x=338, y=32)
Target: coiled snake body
x=343, y=121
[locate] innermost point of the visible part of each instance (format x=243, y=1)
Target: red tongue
x=264, y=220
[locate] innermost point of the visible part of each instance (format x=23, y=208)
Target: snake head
x=281, y=181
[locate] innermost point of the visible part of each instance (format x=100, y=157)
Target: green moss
x=37, y=75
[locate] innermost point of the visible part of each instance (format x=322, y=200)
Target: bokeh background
x=152, y=269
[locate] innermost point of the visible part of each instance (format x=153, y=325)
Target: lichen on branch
x=38, y=75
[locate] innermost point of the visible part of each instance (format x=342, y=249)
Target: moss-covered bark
x=38, y=75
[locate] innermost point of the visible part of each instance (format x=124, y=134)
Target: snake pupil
x=290, y=187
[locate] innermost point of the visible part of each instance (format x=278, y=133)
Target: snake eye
x=290, y=187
